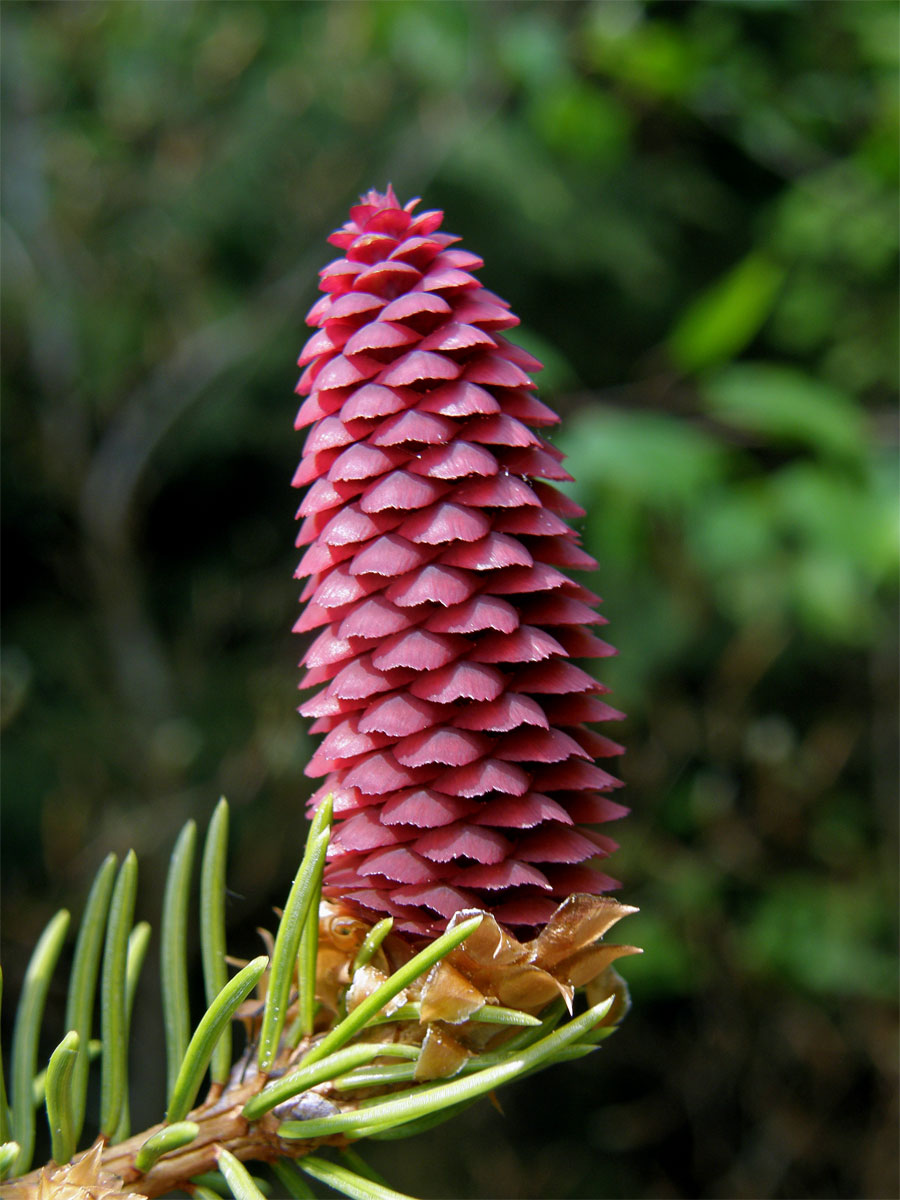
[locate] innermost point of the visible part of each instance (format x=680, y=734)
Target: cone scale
x=448, y=631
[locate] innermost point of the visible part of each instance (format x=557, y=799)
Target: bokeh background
x=693, y=208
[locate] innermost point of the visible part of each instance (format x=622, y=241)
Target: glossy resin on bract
x=436, y=552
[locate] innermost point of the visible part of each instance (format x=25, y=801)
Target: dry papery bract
x=491, y=967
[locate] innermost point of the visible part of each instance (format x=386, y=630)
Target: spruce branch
x=315, y=1094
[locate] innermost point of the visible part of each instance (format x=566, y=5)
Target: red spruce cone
x=456, y=747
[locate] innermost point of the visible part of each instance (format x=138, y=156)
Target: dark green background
x=693, y=208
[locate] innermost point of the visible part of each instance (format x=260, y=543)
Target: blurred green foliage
x=693, y=207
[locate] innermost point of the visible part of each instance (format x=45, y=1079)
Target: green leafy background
x=693, y=208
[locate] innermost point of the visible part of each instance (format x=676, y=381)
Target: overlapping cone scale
x=436, y=550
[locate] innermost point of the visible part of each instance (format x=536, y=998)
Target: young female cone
x=455, y=717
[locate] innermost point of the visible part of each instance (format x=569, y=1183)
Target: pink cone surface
x=436, y=555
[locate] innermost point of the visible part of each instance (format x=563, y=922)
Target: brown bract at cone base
x=456, y=717
x=491, y=967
